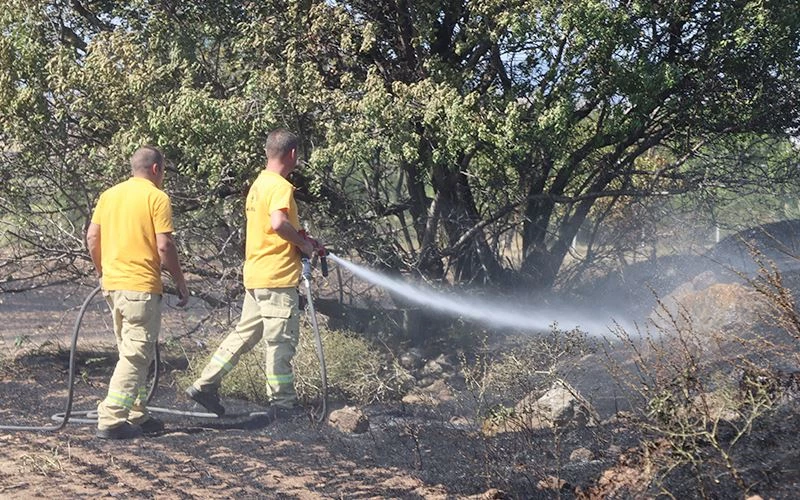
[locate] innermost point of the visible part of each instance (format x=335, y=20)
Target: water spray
x=484, y=311
x=480, y=310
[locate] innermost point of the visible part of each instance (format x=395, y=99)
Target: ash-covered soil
x=410, y=451
x=423, y=448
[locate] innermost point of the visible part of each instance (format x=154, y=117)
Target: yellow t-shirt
x=270, y=261
x=129, y=215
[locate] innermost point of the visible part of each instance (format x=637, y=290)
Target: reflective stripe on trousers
x=271, y=314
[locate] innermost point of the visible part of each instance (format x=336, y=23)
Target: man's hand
x=314, y=244
x=307, y=248
x=169, y=260
x=93, y=244
x=183, y=294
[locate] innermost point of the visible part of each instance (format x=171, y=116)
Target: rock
x=493, y=494
x=560, y=406
x=710, y=308
x=411, y=359
x=551, y=483
x=581, y=455
x=415, y=399
x=432, y=367
x=443, y=361
x=439, y=391
x=716, y=405
x=490, y=494
x=349, y=419
x=460, y=422
x=434, y=394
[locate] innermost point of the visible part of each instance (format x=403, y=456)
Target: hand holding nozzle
x=310, y=245
x=317, y=250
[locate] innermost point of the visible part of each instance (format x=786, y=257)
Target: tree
x=434, y=131
x=83, y=84
x=497, y=112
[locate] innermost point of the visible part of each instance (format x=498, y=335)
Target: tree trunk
x=476, y=262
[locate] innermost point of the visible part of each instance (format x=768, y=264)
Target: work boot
x=208, y=400
x=125, y=431
x=152, y=426
x=288, y=413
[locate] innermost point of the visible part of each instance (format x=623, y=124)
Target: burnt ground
x=410, y=451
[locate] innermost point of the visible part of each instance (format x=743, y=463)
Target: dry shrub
x=497, y=381
x=702, y=401
x=42, y=463
x=357, y=370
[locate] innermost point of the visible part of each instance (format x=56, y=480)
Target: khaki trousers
x=137, y=320
x=271, y=314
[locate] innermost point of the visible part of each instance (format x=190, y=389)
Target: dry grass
x=43, y=463
x=357, y=370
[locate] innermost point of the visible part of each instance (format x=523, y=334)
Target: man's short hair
x=144, y=157
x=279, y=143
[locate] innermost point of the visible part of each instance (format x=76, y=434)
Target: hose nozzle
x=306, y=272
x=323, y=261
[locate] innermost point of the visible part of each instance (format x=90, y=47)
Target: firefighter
x=130, y=239
x=272, y=269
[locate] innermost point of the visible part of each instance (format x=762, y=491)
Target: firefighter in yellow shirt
x=130, y=239
x=271, y=274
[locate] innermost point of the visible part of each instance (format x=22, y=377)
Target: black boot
x=125, y=431
x=208, y=400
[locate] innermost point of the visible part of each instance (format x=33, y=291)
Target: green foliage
x=432, y=132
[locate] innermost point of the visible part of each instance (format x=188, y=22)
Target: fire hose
x=64, y=417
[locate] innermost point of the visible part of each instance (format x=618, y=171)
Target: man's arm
x=169, y=260
x=93, y=244
x=281, y=225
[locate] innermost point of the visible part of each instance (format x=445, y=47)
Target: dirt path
x=200, y=463
x=192, y=459
x=244, y=458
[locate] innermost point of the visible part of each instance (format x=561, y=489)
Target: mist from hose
x=480, y=310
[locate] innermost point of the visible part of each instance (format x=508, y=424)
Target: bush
x=700, y=404
x=357, y=370
x=496, y=380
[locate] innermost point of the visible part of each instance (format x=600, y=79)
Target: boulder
x=349, y=419
x=707, y=307
x=581, y=455
x=559, y=406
